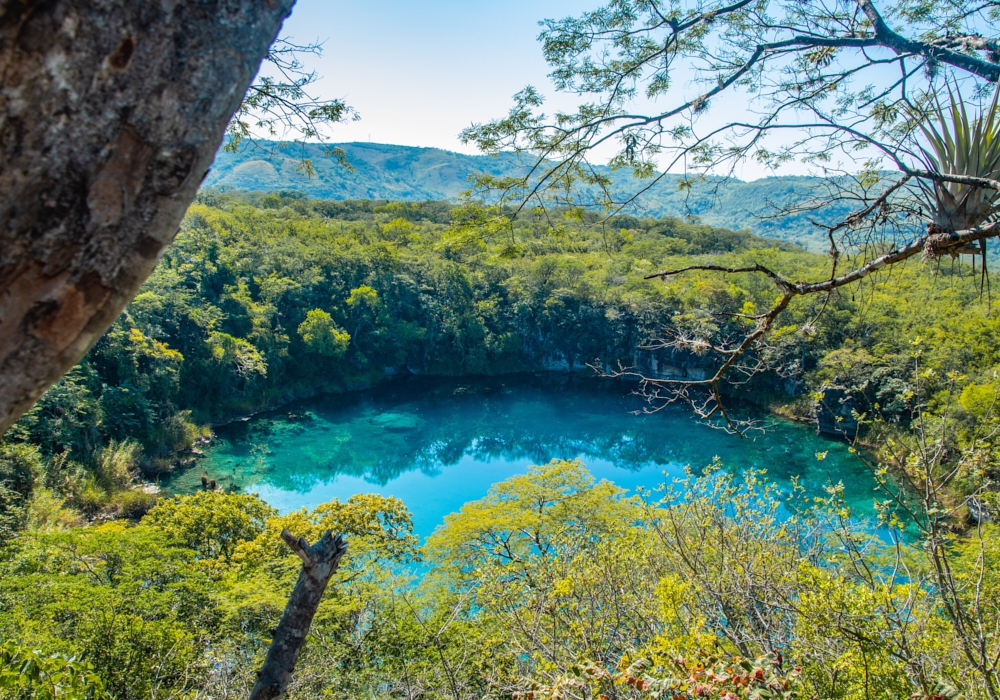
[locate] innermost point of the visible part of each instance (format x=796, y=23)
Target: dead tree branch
x=319, y=563
x=931, y=245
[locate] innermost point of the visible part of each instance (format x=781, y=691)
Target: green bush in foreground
x=29, y=673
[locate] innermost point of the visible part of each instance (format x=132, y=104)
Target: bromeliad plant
x=957, y=145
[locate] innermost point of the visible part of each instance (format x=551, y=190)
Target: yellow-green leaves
x=541, y=513
x=210, y=522
x=241, y=356
x=322, y=336
x=980, y=400
x=379, y=530
x=31, y=673
x=363, y=297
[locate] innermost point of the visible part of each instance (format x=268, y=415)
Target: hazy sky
x=419, y=72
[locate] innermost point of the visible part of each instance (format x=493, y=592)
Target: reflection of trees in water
x=512, y=419
x=478, y=437
x=520, y=429
x=625, y=450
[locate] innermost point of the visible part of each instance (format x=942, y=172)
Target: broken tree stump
x=319, y=563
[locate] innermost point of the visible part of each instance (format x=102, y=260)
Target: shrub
x=135, y=503
x=322, y=336
x=118, y=464
x=172, y=435
x=210, y=522
x=20, y=467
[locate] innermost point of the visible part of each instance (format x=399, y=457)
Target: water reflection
x=438, y=443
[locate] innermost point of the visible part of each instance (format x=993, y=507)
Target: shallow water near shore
x=439, y=443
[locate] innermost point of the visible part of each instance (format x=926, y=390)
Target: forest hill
x=264, y=298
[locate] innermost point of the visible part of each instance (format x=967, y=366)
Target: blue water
x=438, y=443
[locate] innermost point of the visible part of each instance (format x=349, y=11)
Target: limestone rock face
x=835, y=412
x=111, y=112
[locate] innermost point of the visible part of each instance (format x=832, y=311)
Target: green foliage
x=211, y=523
x=118, y=464
x=161, y=610
x=64, y=418
x=126, y=601
x=21, y=468
x=710, y=589
x=530, y=516
x=364, y=297
x=553, y=585
x=979, y=400
x=322, y=336
x=29, y=673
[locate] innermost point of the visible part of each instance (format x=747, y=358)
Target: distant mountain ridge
x=408, y=173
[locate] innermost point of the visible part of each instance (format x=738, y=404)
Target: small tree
x=322, y=336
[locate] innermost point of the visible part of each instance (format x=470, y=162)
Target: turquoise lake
x=438, y=443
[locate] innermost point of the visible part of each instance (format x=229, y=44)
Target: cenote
x=438, y=443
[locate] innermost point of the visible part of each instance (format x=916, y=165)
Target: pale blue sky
x=420, y=72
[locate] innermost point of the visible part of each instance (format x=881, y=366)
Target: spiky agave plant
x=958, y=145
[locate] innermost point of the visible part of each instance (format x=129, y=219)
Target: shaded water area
x=438, y=443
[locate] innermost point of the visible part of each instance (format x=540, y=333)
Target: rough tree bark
x=111, y=112
x=319, y=563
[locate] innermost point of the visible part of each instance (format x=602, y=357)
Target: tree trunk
x=111, y=112
x=319, y=562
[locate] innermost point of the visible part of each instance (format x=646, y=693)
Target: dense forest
x=269, y=297
x=112, y=590
x=405, y=173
